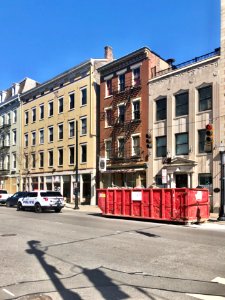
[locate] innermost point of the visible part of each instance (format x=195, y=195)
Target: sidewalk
x=95, y=209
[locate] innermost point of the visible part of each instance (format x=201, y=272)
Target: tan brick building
x=50, y=113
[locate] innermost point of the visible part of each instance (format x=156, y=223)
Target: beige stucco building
x=50, y=113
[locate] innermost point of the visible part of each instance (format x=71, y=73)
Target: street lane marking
x=206, y=297
x=8, y=292
x=219, y=280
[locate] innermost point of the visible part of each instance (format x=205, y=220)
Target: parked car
x=12, y=201
x=41, y=200
x=3, y=196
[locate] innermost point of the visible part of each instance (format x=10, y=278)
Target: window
x=136, y=145
x=41, y=136
x=26, y=139
x=108, y=87
x=83, y=96
x=181, y=143
x=121, y=113
x=50, y=134
x=71, y=155
x=14, y=161
x=136, y=76
x=41, y=111
x=158, y=181
x=108, y=149
x=50, y=109
x=205, y=179
x=60, y=156
x=83, y=126
x=161, y=146
x=121, y=147
x=60, y=105
x=33, y=136
x=161, y=108
x=205, y=98
x=33, y=160
x=83, y=153
x=3, y=120
x=14, y=116
x=201, y=140
x=108, y=117
x=181, y=104
x=121, y=82
x=136, y=110
x=26, y=117
x=26, y=162
x=14, y=137
x=72, y=100
x=50, y=158
x=71, y=129
x=34, y=114
x=60, y=131
x=41, y=159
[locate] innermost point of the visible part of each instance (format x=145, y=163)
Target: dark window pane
x=181, y=104
x=161, y=108
x=205, y=98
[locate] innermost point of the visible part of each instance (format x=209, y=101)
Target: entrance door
x=181, y=180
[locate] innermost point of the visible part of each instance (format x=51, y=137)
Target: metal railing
x=216, y=52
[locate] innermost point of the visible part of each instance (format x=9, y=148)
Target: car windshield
x=50, y=194
x=3, y=192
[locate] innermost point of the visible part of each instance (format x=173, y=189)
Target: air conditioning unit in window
x=102, y=164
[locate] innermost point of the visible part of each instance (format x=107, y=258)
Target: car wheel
x=19, y=206
x=8, y=204
x=38, y=208
x=57, y=210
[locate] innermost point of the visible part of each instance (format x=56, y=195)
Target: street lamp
x=76, y=187
x=222, y=200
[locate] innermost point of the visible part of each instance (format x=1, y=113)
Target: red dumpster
x=176, y=205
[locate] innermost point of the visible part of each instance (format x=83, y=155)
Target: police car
x=40, y=200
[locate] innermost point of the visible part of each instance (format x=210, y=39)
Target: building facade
x=10, y=134
x=183, y=100
x=52, y=115
x=123, y=118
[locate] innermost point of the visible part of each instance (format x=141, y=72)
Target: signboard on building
x=164, y=176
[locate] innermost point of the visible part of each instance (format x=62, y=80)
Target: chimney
x=108, y=53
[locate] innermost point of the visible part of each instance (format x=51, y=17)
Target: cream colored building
x=10, y=133
x=50, y=113
x=183, y=100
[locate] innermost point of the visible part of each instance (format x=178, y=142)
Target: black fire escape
x=124, y=124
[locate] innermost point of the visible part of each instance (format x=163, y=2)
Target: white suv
x=40, y=200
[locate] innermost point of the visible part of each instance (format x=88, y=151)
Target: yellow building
x=50, y=113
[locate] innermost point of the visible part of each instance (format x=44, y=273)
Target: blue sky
x=42, y=38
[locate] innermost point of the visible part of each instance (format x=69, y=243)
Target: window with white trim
x=33, y=138
x=121, y=147
x=136, y=76
x=41, y=136
x=108, y=149
x=50, y=134
x=41, y=159
x=41, y=107
x=108, y=117
x=60, y=105
x=72, y=100
x=83, y=96
x=136, y=110
x=60, y=156
x=108, y=86
x=83, y=153
x=71, y=155
x=83, y=125
x=136, y=145
x=50, y=158
x=50, y=109
x=60, y=131
x=26, y=140
x=71, y=129
x=34, y=114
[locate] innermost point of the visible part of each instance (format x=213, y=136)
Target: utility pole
x=76, y=188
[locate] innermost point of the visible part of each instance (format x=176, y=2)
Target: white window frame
x=61, y=124
x=33, y=138
x=14, y=136
x=50, y=103
x=106, y=122
x=60, y=99
x=81, y=96
x=41, y=106
x=81, y=127
x=26, y=140
x=50, y=127
x=133, y=136
x=60, y=149
x=41, y=135
x=133, y=101
x=106, y=152
x=71, y=147
x=14, y=116
x=72, y=121
x=34, y=114
x=71, y=93
x=81, y=145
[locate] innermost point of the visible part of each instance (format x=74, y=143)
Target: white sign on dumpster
x=136, y=196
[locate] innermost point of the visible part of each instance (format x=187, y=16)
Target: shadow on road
x=97, y=277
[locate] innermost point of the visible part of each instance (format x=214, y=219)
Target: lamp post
x=222, y=200
x=76, y=188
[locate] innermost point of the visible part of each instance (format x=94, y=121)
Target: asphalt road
x=81, y=255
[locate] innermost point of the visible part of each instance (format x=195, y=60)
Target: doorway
x=181, y=180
